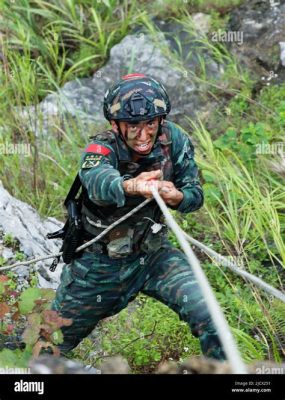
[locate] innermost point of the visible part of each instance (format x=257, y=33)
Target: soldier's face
x=140, y=136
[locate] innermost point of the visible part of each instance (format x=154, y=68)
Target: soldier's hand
x=141, y=185
x=169, y=193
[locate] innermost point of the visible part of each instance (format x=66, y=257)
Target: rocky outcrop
x=255, y=35
x=47, y=364
x=262, y=25
x=24, y=225
x=81, y=100
x=201, y=365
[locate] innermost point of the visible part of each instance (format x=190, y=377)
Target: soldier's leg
x=88, y=292
x=171, y=281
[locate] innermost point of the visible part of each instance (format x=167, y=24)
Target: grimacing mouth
x=144, y=144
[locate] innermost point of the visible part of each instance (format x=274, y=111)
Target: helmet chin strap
x=132, y=150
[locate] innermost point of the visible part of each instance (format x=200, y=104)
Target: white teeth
x=142, y=146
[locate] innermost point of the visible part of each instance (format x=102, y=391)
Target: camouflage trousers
x=94, y=287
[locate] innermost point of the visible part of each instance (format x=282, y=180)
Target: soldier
x=117, y=171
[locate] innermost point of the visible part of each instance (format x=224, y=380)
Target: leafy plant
x=28, y=312
x=9, y=240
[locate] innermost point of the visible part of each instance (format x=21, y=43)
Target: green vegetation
x=46, y=44
x=149, y=334
x=28, y=310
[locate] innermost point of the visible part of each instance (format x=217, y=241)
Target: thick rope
x=232, y=266
x=218, y=318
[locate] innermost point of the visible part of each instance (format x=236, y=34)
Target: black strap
x=71, y=196
x=73, y=190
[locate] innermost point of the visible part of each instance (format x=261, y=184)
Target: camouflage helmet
x=136, y=97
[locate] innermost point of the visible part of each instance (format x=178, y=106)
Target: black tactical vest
x=138, y=225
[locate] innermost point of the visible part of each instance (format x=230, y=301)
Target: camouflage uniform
x=106, y=277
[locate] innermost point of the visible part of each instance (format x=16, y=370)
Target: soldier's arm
x=186, y=178
x=99, y=175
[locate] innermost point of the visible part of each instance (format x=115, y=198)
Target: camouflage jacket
x=107, y=162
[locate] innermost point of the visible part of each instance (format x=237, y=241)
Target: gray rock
x=115, y=365
x=24, y=224
x=262, y=23
x=202, y=22
x=81, y=100
x=51, y=365
x=48, y=364
x=202, y=365
x=7, y=253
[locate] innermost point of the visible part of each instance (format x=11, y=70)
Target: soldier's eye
x=133, y=128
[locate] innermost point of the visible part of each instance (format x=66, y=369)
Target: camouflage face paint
x=140, y=136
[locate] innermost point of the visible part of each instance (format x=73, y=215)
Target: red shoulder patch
x=98, y=149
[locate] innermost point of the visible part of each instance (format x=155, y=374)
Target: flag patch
x=98, y=149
